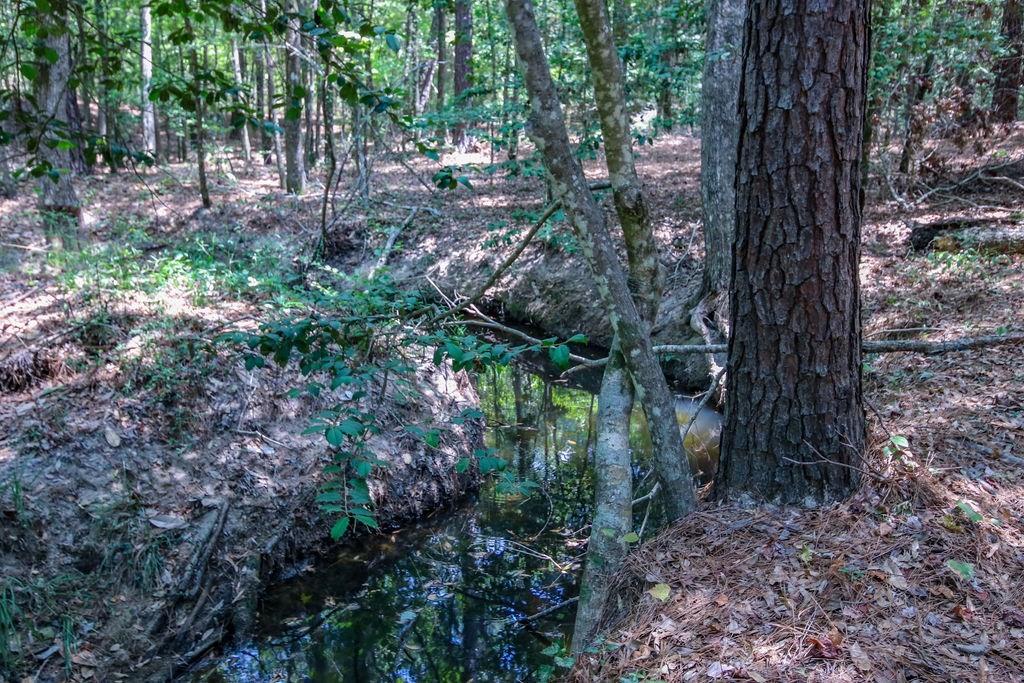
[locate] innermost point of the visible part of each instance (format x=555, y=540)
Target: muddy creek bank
x=477, y=593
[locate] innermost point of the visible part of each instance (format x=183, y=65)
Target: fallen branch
x=931, y=348
x=193, y=579
x=544, y=612
x=390, y=244
x=491, y=324
x=887, y=346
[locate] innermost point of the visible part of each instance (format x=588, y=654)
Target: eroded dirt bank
x=150, y=484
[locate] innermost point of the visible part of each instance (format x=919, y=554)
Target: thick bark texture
x=1009, y=68
x=547, y=128
x=295, y=178
x=57, y=194
x=146, y=66
x=463, y=68
x=794, y=413
x=719, y=128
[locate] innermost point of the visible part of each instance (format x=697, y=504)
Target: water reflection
x=451, y=598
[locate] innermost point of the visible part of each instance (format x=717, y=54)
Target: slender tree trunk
x=268, y=60
x=915, y=115
x=547, y=127
x=8, y=188
x=441, y=35
x=106, y=123
x=1010, y=67
x=610, y=94
x=614, y=487
x=310, y=103
x=260, y=74
x=463, y=67
x=295, y=180
x=57, y=197
x=795, y=426
x=146, y=67
x=236, y=67
x=613, y=499
x=200, y=107
x=719, y=129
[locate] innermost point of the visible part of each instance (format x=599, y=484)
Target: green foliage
x=350, y=355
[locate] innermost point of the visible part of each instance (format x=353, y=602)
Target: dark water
x=452, y=598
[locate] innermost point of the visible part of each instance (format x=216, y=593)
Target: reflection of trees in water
x=435, y=602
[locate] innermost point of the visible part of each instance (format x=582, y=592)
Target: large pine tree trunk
x=146, y=66
x=547, y=127
x=794, y=413
x=1009, y=68
x=463, y=73
x=295, y=163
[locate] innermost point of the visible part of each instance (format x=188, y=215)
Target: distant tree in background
x=146, y=69
x=1009, y=67
x=52, y=73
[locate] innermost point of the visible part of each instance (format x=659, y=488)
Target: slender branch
x=389, y=245
x=500, y=270
x=491, y=324
x=545, y=612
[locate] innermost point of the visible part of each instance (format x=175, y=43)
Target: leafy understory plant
x=357, y=347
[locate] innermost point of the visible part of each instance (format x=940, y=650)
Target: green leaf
x=964, y=569
x=392, y=40
x=366, y=520
x=462, y=465
x=968, y=511
x=559, y=356
x=29, y=71
x=660, y=591
x=564, y=662
x=432, y=438
x=899, y=441
x=805, y=554
x=339, y=528
x=334, y=436
x=631, y=537
x=577, y=339
x=329, y=497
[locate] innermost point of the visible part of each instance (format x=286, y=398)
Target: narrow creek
x=462, y=595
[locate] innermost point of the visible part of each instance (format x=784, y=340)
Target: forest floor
x=122, y=440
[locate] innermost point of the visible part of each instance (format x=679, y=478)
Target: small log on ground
x=960, y=234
